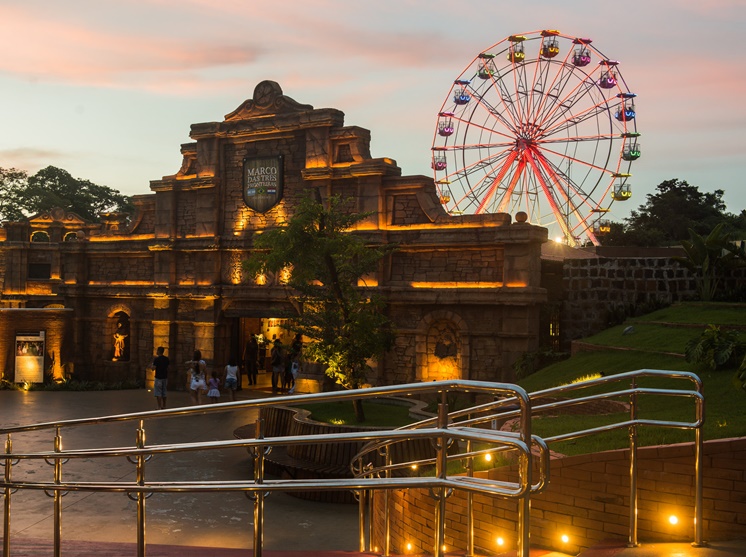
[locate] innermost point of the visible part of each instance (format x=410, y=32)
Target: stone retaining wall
x=599, y=292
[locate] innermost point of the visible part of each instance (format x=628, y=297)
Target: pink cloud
x=76, y=54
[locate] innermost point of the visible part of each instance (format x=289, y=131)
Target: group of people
x=285, y=364
x=200, y=384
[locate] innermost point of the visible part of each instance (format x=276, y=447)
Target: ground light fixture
x=565, y=538
x=673, y=520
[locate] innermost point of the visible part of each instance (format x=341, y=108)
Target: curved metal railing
x=560, y=398
x=460, y=435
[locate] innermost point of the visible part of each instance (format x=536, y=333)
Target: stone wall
x=599, y=292
x=588, y=500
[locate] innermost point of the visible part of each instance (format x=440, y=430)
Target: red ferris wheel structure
x=543, y=123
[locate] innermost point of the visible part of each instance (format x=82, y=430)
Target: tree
x=22, y=196
x=11, y=182
x=708, y=257
x=669, y=213
x=325, y=264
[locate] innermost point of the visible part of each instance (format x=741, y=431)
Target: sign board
x=262, y=182
x=30, y=350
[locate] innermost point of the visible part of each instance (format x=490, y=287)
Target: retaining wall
x=587, y=499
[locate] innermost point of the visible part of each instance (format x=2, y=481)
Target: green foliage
x=669, y=213
x=376, y=413
x=716, y=348
x=531, y=362
x=22, y=195
x=725, y=393
x=325, y=261
x=708, y=257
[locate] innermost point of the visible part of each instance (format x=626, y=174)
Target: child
x=214, y=384
x=231, y=378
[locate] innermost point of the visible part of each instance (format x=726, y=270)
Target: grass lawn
x=376, y=413
x=725, y=402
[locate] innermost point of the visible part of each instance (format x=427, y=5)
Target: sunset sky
x=108, y=90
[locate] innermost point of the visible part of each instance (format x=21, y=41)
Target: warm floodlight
x=565, y=538
x=500, y=541
x=673, y=519
x=488, y=457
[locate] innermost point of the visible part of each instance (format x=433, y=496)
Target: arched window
x=71, y=237
x=39, y=236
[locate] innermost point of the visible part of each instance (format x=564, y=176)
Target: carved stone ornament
x=268, y=99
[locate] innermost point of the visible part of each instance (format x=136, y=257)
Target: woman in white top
x=197, y=382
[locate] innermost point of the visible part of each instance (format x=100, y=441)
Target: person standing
x=214, y=385
x=278, y=363
x=231, y=378
x=197, y=382
x=250, y=356
x=160, y=365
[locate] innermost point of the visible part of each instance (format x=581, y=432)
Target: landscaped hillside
x=655, y=341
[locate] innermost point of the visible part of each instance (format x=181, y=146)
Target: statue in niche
x=121, y=337
x=446, y=345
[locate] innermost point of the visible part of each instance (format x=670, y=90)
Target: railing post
x=141, y=459
x=525, y=466
x=632, y=542
x=57, y=495
x=441, y=471
x=386, y=509
x=469, y=503
x=362, y=496
x=698, y=470
x=259, y=495
x=6, y=517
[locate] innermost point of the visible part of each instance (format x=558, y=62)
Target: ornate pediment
x=56, y=215
x=268, y=99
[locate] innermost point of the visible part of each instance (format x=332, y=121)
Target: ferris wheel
x=542, y=123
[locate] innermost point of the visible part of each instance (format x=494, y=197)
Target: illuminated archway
x=442, y=346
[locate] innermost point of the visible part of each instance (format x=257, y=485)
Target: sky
x=108, y=90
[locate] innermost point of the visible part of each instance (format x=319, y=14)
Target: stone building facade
x=464, y=292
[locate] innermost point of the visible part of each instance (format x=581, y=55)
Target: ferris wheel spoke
x=567, y=188
x=477, y=168
x=552, y=92
x=580, y=225
x=549, y=195
x=505, y=200
x=559, y=126
x=507, y=103
x=497, y=180
x=574, y=96
x=509, y=124
x=567, y=157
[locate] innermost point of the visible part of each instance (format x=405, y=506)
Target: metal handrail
x=461, y=428
x=488, y=413
x=258, y=487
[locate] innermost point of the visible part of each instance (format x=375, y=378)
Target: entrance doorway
x=267, y=330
